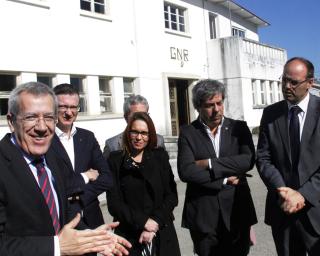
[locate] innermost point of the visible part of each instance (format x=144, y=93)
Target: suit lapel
x=147, y=168
x=225, y=136
x=204, y=137
x=60, y=150
x=283, y=129
x=24, y=176
x=310, y=122
x=78, y=143
x=309, y=141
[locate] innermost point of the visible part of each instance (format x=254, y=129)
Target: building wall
x=130, y=41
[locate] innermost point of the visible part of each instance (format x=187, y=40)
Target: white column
x=25, y=77
x=117, y=94
x=60, y=79
x=92, y=93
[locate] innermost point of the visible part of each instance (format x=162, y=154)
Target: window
x=262, y=93
x=279, y=91
x=46, y=79
x=7, y=84
x=128, y=86
x=238, y=32
x=77, y=82
x=174, y=17
x=254, y=92
x=212, y=26
x=270, y=98
x=105, y=95
x=96, y=6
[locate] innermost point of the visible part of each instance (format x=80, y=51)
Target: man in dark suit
x=33, y=202
x=288, y=162
x=214, y=154
x=80, y=151
x=134, y=103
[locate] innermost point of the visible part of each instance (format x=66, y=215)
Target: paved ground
x=264, y=246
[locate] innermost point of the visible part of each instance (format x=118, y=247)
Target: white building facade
x=110, y=49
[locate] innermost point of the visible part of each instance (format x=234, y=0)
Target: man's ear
x=310, y=83
x=11, y=120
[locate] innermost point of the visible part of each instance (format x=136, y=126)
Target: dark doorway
x=179, y=104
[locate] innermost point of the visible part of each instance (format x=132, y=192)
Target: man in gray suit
x=289, y=164
x=135, y=103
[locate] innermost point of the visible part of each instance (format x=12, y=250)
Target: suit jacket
x=25, y=222
x=206, y=194
x=123, y=198
x=274, y=160
x=115, y=143
x=87, y=155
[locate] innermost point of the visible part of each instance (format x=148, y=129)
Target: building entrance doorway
x=179, y=104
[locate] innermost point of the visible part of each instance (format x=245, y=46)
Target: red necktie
x=47, y=192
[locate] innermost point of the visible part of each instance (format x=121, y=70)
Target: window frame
x=130, y=80
x=105, y=95
x=238, y=32
x=4, y=95
x=92, y=12
x=49, y=76
x=177, y=15
x=82, y=92
x=213, y=25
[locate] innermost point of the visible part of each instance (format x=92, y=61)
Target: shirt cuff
x=56, y=246
x=86, y=179
x=210, y=169
x=225, y=180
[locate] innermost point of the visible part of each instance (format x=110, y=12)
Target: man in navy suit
x=214, y=154
x=33, y=200
x=289, y=164
x=80, y=151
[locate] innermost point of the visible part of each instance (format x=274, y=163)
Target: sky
x=294, y=26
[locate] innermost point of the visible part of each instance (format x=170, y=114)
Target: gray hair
x=206, y=89
x=134, y=100
x=34, y=88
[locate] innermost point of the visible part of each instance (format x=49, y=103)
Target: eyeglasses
x=293, y=83
x=134, y=134
x=72, y=108
x=33, y=119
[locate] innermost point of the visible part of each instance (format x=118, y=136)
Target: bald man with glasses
x=289, y=164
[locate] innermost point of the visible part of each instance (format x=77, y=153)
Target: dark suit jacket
x=274, y=160
x=122, y=199
x=205, y=194
x=25, y=221
x=87, y=155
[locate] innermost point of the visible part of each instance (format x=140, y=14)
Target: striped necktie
x=46, y=190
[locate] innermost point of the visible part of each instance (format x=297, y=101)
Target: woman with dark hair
x=144, y=193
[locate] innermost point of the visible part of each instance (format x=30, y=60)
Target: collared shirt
x=215, y=138
x=302, y=115
x=68, y=145
x=67, y=142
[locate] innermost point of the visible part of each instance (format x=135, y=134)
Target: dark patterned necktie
x=47, y=192
x=294, y=133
